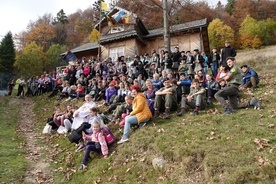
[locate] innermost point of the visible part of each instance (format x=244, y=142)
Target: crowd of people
x=135, y=90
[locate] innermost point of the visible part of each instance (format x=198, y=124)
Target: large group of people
x=136, y=90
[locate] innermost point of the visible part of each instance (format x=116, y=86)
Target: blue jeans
x=90, y=146
x=129, y=120
x=214, y=68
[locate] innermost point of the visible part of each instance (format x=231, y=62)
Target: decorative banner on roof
x=128, y=19
x=104, y=6
x=118, y=16
x=69, y=57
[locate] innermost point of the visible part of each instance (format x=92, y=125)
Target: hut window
x=116, y=52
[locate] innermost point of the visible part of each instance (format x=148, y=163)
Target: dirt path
x=39, y=170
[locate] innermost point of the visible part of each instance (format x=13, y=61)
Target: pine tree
x=7, y=54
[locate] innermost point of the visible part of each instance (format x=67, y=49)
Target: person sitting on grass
x=121, y=110
x=150, y=95
x=165, y=99
x=127, y=110
x=140, y=115
x=195, y=99
x=110, y=94
x=65, y=90
x=72, y=94
x=79, y=91
x=211, y=88
x=231, y=92
x=183, y=86
x=93, y=116
x=82, y=114
x=96, y=143
x=250, y=78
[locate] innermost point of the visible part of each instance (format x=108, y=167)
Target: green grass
x=209, y=148
x=13, y=163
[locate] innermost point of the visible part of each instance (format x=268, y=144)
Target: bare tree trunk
x=167, y=39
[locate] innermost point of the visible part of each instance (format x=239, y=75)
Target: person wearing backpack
x=96, y=143
x=87, y=127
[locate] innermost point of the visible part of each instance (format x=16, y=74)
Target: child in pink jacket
x=96, y=142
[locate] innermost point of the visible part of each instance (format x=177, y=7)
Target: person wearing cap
x=165, y=97
x=250, y=78
x=227, y=51
x=231, y=92
x=195, y=99
x=140, y=114
x=190, y=63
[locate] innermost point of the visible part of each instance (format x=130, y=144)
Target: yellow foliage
x=41, y=35
x=218, y=32
x=94, y=35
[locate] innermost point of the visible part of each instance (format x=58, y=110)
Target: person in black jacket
x=227, y=51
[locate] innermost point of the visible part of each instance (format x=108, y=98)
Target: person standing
x=227, y=51
x=10, y=87
x=20, y=83
x=213, y=60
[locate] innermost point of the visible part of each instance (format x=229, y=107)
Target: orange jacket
x=140, y=108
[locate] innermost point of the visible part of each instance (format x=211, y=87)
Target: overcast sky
x=15, y=15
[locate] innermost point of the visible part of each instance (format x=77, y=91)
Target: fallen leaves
x=262, y=161
x=262, y=143
x=161, y=130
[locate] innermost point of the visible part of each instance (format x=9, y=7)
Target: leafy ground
x=210, y=148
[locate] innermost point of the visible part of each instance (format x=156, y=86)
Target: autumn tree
x=229, y=8
x=218, y=32
x=53, y=58
x=7, y=54
x=254, y=34
x=80, y=26
x=31, y=61
x=241, y=10
x=150, y=13
x=59, y=27
x=61, y=18
x=94, y=36
x=42, y=35
x=248, y=33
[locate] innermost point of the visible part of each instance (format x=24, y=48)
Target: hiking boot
x=180, y=113
x=81, y=147
x=209, y=101
x=124, y=139
x=195, y=113
x=141, y=125
x=156, y=114
x=228, y=111
x=82, y=167
x=255, y=103
x=167, y=113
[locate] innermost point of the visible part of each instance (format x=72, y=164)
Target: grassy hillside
x=209, y=148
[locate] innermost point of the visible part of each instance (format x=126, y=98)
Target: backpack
x=109, y=137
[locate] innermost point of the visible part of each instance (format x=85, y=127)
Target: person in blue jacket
x=250, y=78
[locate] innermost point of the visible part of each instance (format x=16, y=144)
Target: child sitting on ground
x=96, y=142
